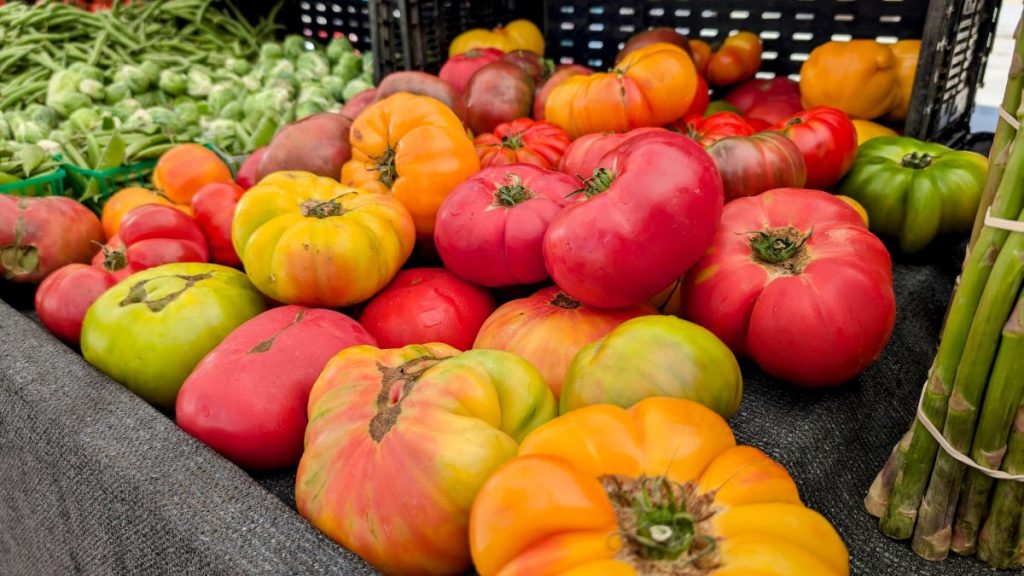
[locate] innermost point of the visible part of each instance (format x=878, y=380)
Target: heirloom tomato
x=126, y=199
x=308, y=240
x=701, y=100
x=437, y=420
x=914, y=190
x=706, y=130
x=498, y=93
x=737, y=58
x=150, y=330
x=653, y=36
x=795, y=281
x=40, y=235
x=490, y=230
x=650, y=87
x=748, y=95
x=247, y=398
x=516, y=35
x=186, y=168
x=584, y=154
x=64, y=297
x=248, y=173
x=523, y=141
x=639, y=223
x=549, y=328
x=214, y=208
x=460, y=68
x=660, y=488
x=750, y=165
x=828, y=141
x=423, y=305
x=868, y=130
x=654, y=356
x=561, y=74
x=152, y=235
x=907, y=53
x=858, y=77
x=413, y=147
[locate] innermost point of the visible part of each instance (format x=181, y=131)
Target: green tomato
x=150, y=330
x=654, y=356
x=914, y=190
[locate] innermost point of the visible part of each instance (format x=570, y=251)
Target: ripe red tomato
x=247, y=398
x=152, y=235
x=639, y=224
x=827, y=139
x=64, y=297
x=523, y=141
x=214, y=209
x=795, y=281
x=707, y=130
x=424, y=305
x=490, y=229
x=749, y=94
x=583, y=155
x=752, y=164
x=499, y=92
x=40, y=235
x=460, y=68
x=775, y=110
x=701, y=100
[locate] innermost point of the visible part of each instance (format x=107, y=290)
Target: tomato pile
x=520, y=291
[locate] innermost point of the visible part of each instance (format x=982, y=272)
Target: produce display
x=496, y=316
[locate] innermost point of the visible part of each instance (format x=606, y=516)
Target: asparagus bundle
x=974, y=387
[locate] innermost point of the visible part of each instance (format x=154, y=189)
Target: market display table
x=95, y=481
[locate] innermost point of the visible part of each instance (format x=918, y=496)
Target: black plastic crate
x=323, y=20
x=956, y=36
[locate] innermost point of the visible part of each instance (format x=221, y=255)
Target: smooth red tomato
x=460, y=68
x=749, y=94
x=827, y=139
x=523, y=141
x=795, y=281
x=640, y=222
x=247, y=398
x=585, y=153
x=707, y=130
x=214, y=209
x=701, y=100
x=774, y=110
x=425, y=305
x=490, y=230
x=752, y=164
x=152, y=235
x=40, y=235
x=64, y=297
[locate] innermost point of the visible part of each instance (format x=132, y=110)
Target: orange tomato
x=701, y=51
x=186, y=168
x=736, y=60
x=647, y=490
x=856, y=206
x=859, y=77
x=124, y=200
x=907, y=53
x=866, y=130
x=652, y=86
x=413, y=147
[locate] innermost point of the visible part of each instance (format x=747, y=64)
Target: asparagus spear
x=908, y=488
x=934, y=524
x=1004, y=132
x=1000, y=535
x=877, y=499
x=1005, y=390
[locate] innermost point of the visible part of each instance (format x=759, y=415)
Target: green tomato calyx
x=782, y=247
x=317, y=209
x=513, y=193
x=397, y=382
x=114, y=260
x=917, y=161
x=386, y=168
x=660, y=524
x=600, y=181
x=168, y=289
x=513, y=141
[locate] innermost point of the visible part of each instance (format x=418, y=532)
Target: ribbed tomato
x=490, y=230
x=585, y=153
x=523, y=141
x=549, y=328
x=750, y=165
x=706, y=130
x=827, y=139
x=795, y=281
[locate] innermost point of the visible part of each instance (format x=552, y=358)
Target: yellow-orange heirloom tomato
x=652, y=86
x=517, y=35
x=859, y=77
x=868, y=130
x=413, y=147
x=399, y=441
x=660, y=488
x=308, y=240
x=907, y=53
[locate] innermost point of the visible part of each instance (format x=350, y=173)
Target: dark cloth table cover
x=95, y=481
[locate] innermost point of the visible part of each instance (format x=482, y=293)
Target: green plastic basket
x=107, y=182
x=49, y=184
x=234, y=161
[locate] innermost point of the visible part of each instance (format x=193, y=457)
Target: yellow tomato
x=866, y=130
x=517, y=35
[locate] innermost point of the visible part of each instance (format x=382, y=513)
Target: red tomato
x=750, y=165
x=774, y=110
x=827, y=139
x=562, y=73
x=247, y=398
x=641, y=222
x=248, y=173
x=701, y=100
x=523, y=141
x=152, y=235
x=459, y=69
x=499, y=92
x=707, y=130
x=490, y=229
x=549, y=328
x=64, y=297
x=40, y=235
x=425, y=305
x=749, y=94
x=585, y=153
x=795, y=281
x=738, y=58
x=214, y=210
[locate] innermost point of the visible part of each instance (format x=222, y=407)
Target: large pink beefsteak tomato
x=795, y=281
x=642, y=220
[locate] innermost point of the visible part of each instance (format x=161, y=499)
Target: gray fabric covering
x=94, y=481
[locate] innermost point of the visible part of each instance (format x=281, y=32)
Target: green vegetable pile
x=158, y=73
